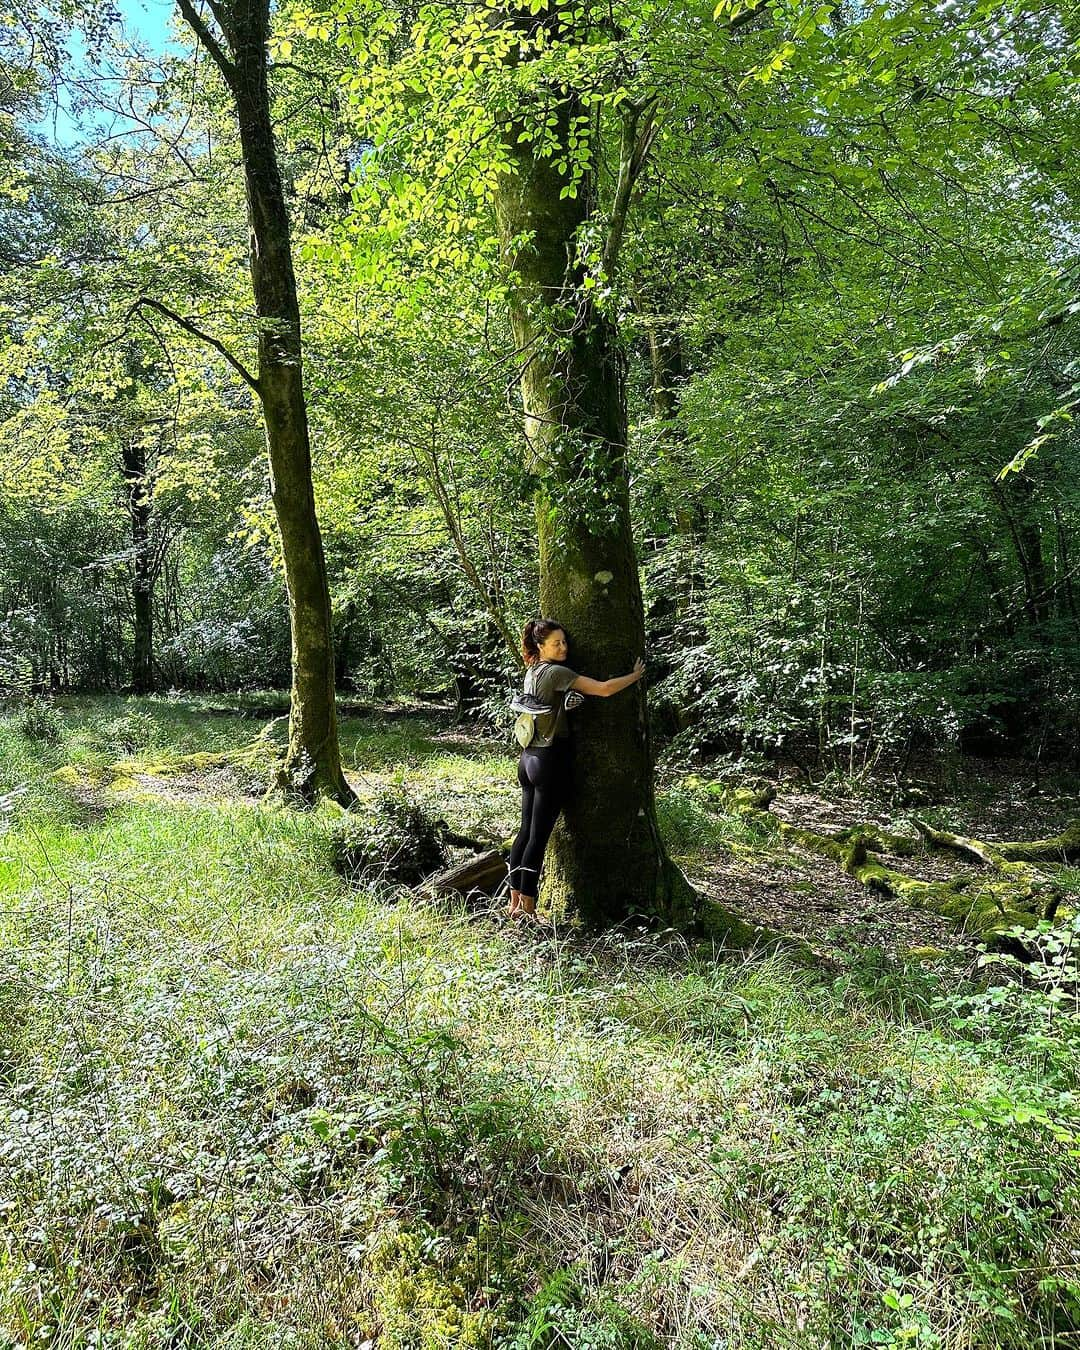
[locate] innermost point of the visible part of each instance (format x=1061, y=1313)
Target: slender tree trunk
x=606, y=861
x=1067, y=597
x=313, y=761
x=139, y=504
x=1014, y=503
x=667, y=361
x=689, y=519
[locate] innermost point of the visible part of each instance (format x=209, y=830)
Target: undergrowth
x=244, y=1104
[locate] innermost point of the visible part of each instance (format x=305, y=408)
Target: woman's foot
x=523, y=908
x=528, y=911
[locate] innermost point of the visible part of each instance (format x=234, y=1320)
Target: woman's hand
x=639, y=668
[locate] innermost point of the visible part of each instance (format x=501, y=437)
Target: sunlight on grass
x=244, y=1104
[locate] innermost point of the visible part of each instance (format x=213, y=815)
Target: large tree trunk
x=606, y=861
x=313, y=761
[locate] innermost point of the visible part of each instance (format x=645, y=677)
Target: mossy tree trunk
x=606, y=860
x=237, y=43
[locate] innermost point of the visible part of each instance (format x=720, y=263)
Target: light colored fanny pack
x=528, y=708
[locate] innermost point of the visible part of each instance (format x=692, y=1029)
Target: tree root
x=1014, y=894
x=1063, y=848
x=1017, y=896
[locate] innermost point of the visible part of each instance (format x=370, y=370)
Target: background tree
x=238, y=46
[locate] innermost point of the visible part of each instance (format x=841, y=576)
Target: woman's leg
x=517, y=852
x=549, y=772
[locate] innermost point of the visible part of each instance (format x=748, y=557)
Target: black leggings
x=544, y=775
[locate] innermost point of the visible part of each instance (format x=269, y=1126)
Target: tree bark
x=606, y=861
x=312, y=765
x=139, y=491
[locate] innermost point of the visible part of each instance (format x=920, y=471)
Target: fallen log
x=456, y=840
x=958, y=843
x=1063, y=848
x=484, y=873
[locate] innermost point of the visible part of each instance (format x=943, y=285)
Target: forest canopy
x=832, y=249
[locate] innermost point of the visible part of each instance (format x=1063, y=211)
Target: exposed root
x=1063, y=848
x=1015, y=893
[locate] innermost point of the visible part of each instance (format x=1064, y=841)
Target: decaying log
x=958, y=843
x=1063, y=848
x=981, y=903
x=477, y=874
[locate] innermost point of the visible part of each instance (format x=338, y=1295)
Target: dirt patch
x=231, y=784
x=809, y=898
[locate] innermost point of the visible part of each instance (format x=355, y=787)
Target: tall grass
x=243, y=1105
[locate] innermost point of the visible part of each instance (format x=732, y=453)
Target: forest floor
x=799, y=893
x=416, y=751
x=245, y=1103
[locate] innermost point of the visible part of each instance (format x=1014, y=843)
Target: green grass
x=243, y=1105
x=695, y=827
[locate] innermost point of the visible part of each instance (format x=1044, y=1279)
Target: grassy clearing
x=242, y=1105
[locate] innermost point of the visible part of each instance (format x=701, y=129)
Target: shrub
x=40, y=721
x=392, y=839
x=129, y=733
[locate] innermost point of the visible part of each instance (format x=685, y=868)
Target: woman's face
x=553, y=647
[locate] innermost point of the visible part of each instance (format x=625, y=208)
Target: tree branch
x=217, y=9
x=733, y=25
x=188, y=327
x=633, y=152
x=198, y=26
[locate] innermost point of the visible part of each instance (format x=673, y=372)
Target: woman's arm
x=605, y=688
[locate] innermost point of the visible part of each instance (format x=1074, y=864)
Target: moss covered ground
x=243, y=1103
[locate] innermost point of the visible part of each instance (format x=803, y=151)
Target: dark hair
x=537, y=631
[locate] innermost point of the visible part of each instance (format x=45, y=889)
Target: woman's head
x=543, y=640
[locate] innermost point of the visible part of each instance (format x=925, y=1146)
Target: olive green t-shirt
x=549, y=682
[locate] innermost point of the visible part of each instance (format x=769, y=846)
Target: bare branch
x=188, y=327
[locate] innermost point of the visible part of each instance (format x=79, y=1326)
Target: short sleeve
x=562, y=677
x=553, y=681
